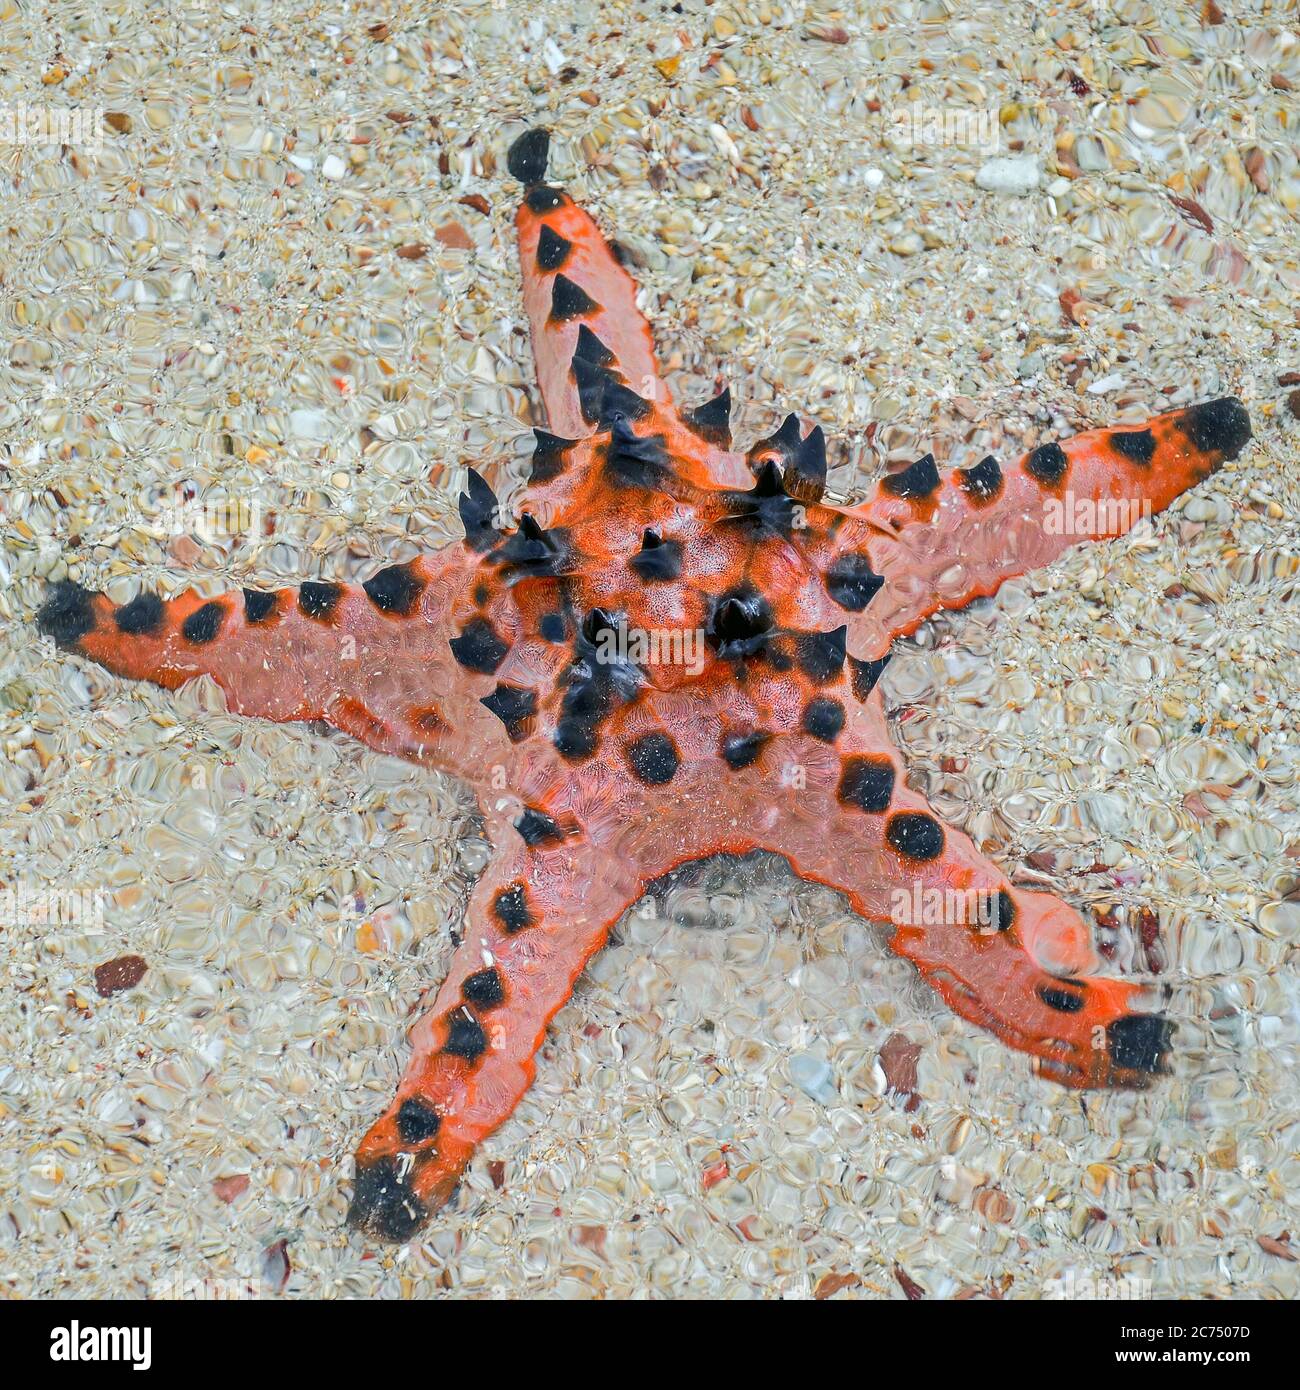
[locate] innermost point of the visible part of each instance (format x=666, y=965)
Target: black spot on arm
x=483, y=989
x=867, y=783
x=787, y=468
x=1064, y=1001
x=465, y=1037
x=417, y=1122
x=575, y=736
x=531, y=552
x=591, y=350
x=1138, y=446
x=478, y=648
x=591, y=379
x=658, y=559
x=258, y=607
x=319, y=600
x=781, y=444
x=740, y=750
x=823, y=719
x=805, y=472
x=621, y=407
x=141, y=617
x=478, y=512
x=537, y=828
x=1048, y=464
x=631, y=459
x=597, y=680
x=204, y=623
x=603, y=398
x=821, y=654
x=983, y=482
x=915, y=835
x=67, y=614
x=767, y=507
x=1006, y=912
x=712, y=420
x=514, y=706
x=865, y=674
x=570, y=301
x=510, y=907
x=852, y=583
x=552, y=627
x=801, y=462
x=654, y=758
x=552, y=250
x=396, y=589
x=740, y=623
x=549, y=456
x=918, y=479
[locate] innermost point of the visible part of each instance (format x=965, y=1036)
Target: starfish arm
x=534, y=920
x=1018, y=963
x=581, y=303
x=373, y=660
x=942, y=542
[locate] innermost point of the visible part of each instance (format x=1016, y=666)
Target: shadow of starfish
x=531, y=662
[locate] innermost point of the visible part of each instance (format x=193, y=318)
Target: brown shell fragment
x=124, y=973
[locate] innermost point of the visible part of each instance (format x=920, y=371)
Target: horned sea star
x=504, y=660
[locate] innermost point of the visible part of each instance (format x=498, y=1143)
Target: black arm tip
x=384, y=1203
x=1221, y=427
x=526, y=158
x=66, y=615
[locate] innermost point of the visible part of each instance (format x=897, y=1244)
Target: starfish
x=671, y=653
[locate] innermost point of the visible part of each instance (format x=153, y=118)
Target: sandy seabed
x=269, y=275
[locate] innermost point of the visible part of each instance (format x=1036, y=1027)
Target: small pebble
x=814, y=1077
x=1016, y=174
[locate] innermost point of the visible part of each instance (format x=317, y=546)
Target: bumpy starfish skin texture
x=507, y=660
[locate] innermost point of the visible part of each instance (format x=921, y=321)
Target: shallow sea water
x=286, y=276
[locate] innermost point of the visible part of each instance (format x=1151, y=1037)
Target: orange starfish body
x=672, y=653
